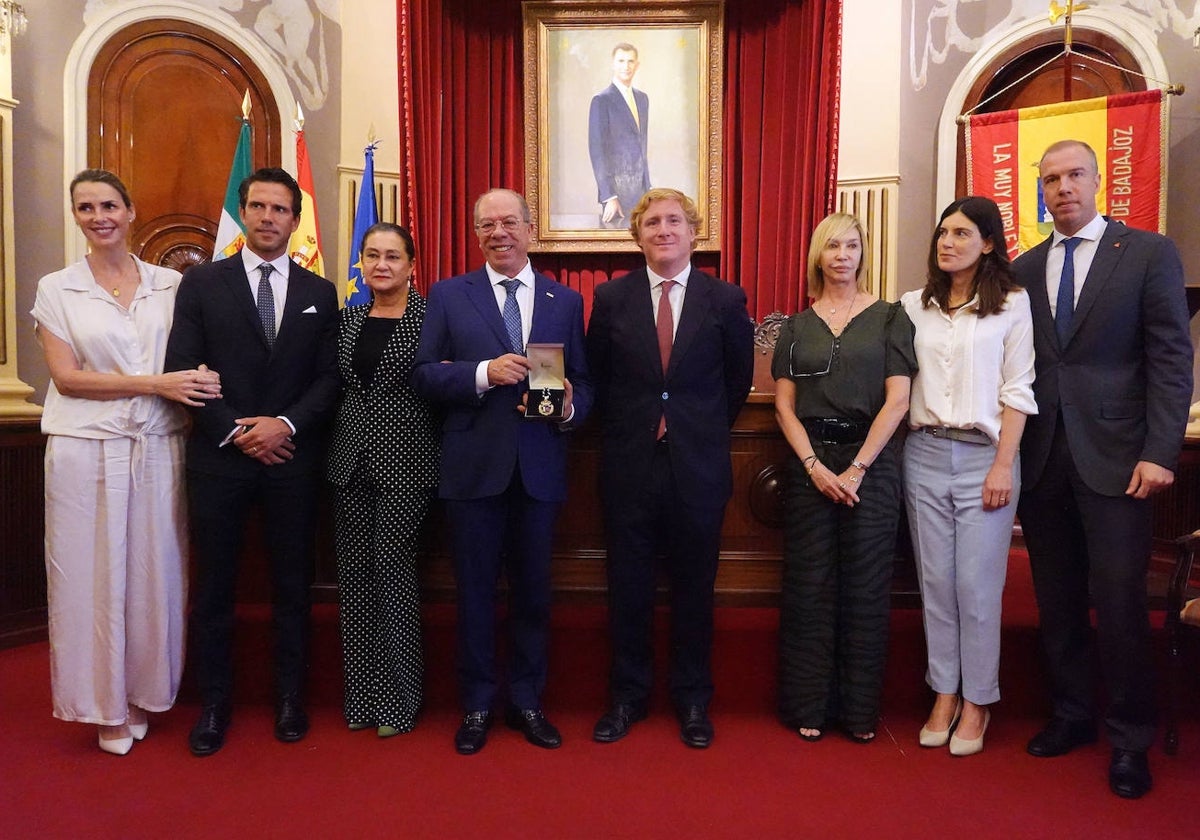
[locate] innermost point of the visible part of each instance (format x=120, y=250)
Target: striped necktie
x=512, y=316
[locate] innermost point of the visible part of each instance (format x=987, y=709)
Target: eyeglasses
x=834, y=346
x=488, y=226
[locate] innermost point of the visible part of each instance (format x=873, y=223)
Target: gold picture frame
x=570, y=61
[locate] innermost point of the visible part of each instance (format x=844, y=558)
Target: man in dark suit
x=269, y=328
x=671, y=353
x=503, y=477
x=1114, y=378
x=617, y=137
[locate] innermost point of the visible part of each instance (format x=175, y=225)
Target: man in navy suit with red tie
x=269, y=327
x=503, y=477
x=671, y=352
x=1113, y=383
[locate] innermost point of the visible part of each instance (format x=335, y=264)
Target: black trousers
x=643, y=524
x=1084, y=544
x=218, y=509
x=834, y=603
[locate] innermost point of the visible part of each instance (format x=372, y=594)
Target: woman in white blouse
x=974, y=343
x=115, y=529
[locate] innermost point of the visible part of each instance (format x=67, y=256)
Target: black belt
x=835, y=430
x=951, y=433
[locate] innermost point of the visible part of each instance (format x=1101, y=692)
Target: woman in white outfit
x=974, y=343
x=116, y=536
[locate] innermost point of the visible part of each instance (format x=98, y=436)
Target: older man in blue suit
x=1114, y=379
x=617, y=122
x=503, y=477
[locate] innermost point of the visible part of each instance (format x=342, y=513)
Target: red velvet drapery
x=461, y=122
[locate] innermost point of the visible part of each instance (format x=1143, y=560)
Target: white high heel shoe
x=115, y=746
x=138, y=722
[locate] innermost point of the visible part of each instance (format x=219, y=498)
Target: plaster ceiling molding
x=102, y=20
x=1133, y=30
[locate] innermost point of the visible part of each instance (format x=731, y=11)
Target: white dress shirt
x=970, y=368
x=675, y=296
x=524, y=303
x=278, y=279
x=1085, y=252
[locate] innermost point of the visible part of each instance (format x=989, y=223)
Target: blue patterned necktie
x=266, y=302
x=1064, y=309
x=512, y=316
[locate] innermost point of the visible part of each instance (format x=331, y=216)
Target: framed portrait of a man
x=619, y=98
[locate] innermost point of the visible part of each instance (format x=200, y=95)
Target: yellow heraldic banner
x=1128, y=133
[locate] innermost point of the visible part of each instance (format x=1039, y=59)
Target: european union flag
x=365, y=215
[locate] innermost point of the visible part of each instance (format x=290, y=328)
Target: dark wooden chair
x=1177, y=592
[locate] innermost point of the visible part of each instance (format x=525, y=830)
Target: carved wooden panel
x=164, y=113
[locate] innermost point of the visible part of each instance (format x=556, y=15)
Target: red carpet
x=758, y=780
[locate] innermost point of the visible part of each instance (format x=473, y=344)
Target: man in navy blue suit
x=503, y=477
x=269, y=327
x=1114, y=379
x=617, y=122
x=671, y=350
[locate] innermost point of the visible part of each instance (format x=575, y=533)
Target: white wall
x=869, y=137
x=370, y=86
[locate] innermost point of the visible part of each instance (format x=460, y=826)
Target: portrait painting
x=620, y=98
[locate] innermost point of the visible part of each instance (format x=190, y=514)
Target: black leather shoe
x=291, y=723
x=1129, y=774
x=695, y=728
x=208, y=735
x=472, y=733
x=1060, y=737
x=616, y=722
x=538, y=731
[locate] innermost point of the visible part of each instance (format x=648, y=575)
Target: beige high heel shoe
x=938, y=738
x=964, y=746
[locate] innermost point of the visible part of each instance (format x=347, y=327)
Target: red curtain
x=461, y=84
x=782, y=75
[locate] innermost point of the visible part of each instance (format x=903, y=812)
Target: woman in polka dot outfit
x=384, y=465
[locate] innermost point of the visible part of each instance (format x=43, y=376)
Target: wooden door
x=1015, y=81
x=164, y=113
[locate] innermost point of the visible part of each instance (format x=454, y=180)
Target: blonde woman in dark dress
x=842, y=370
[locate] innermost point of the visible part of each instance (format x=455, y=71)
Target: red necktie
x=666, y=337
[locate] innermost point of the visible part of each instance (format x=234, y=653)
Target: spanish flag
x=1127, y=131
x=305, y=245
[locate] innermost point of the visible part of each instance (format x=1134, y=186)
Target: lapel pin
x=549, y=294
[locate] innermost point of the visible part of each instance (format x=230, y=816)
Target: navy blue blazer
x=1123, y=378
x=617, y=146
x=216, y=323
x=701, y=392
x=484, y=437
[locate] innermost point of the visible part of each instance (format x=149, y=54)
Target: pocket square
x=311, y=310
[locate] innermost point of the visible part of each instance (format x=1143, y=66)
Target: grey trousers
x=962, y=560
